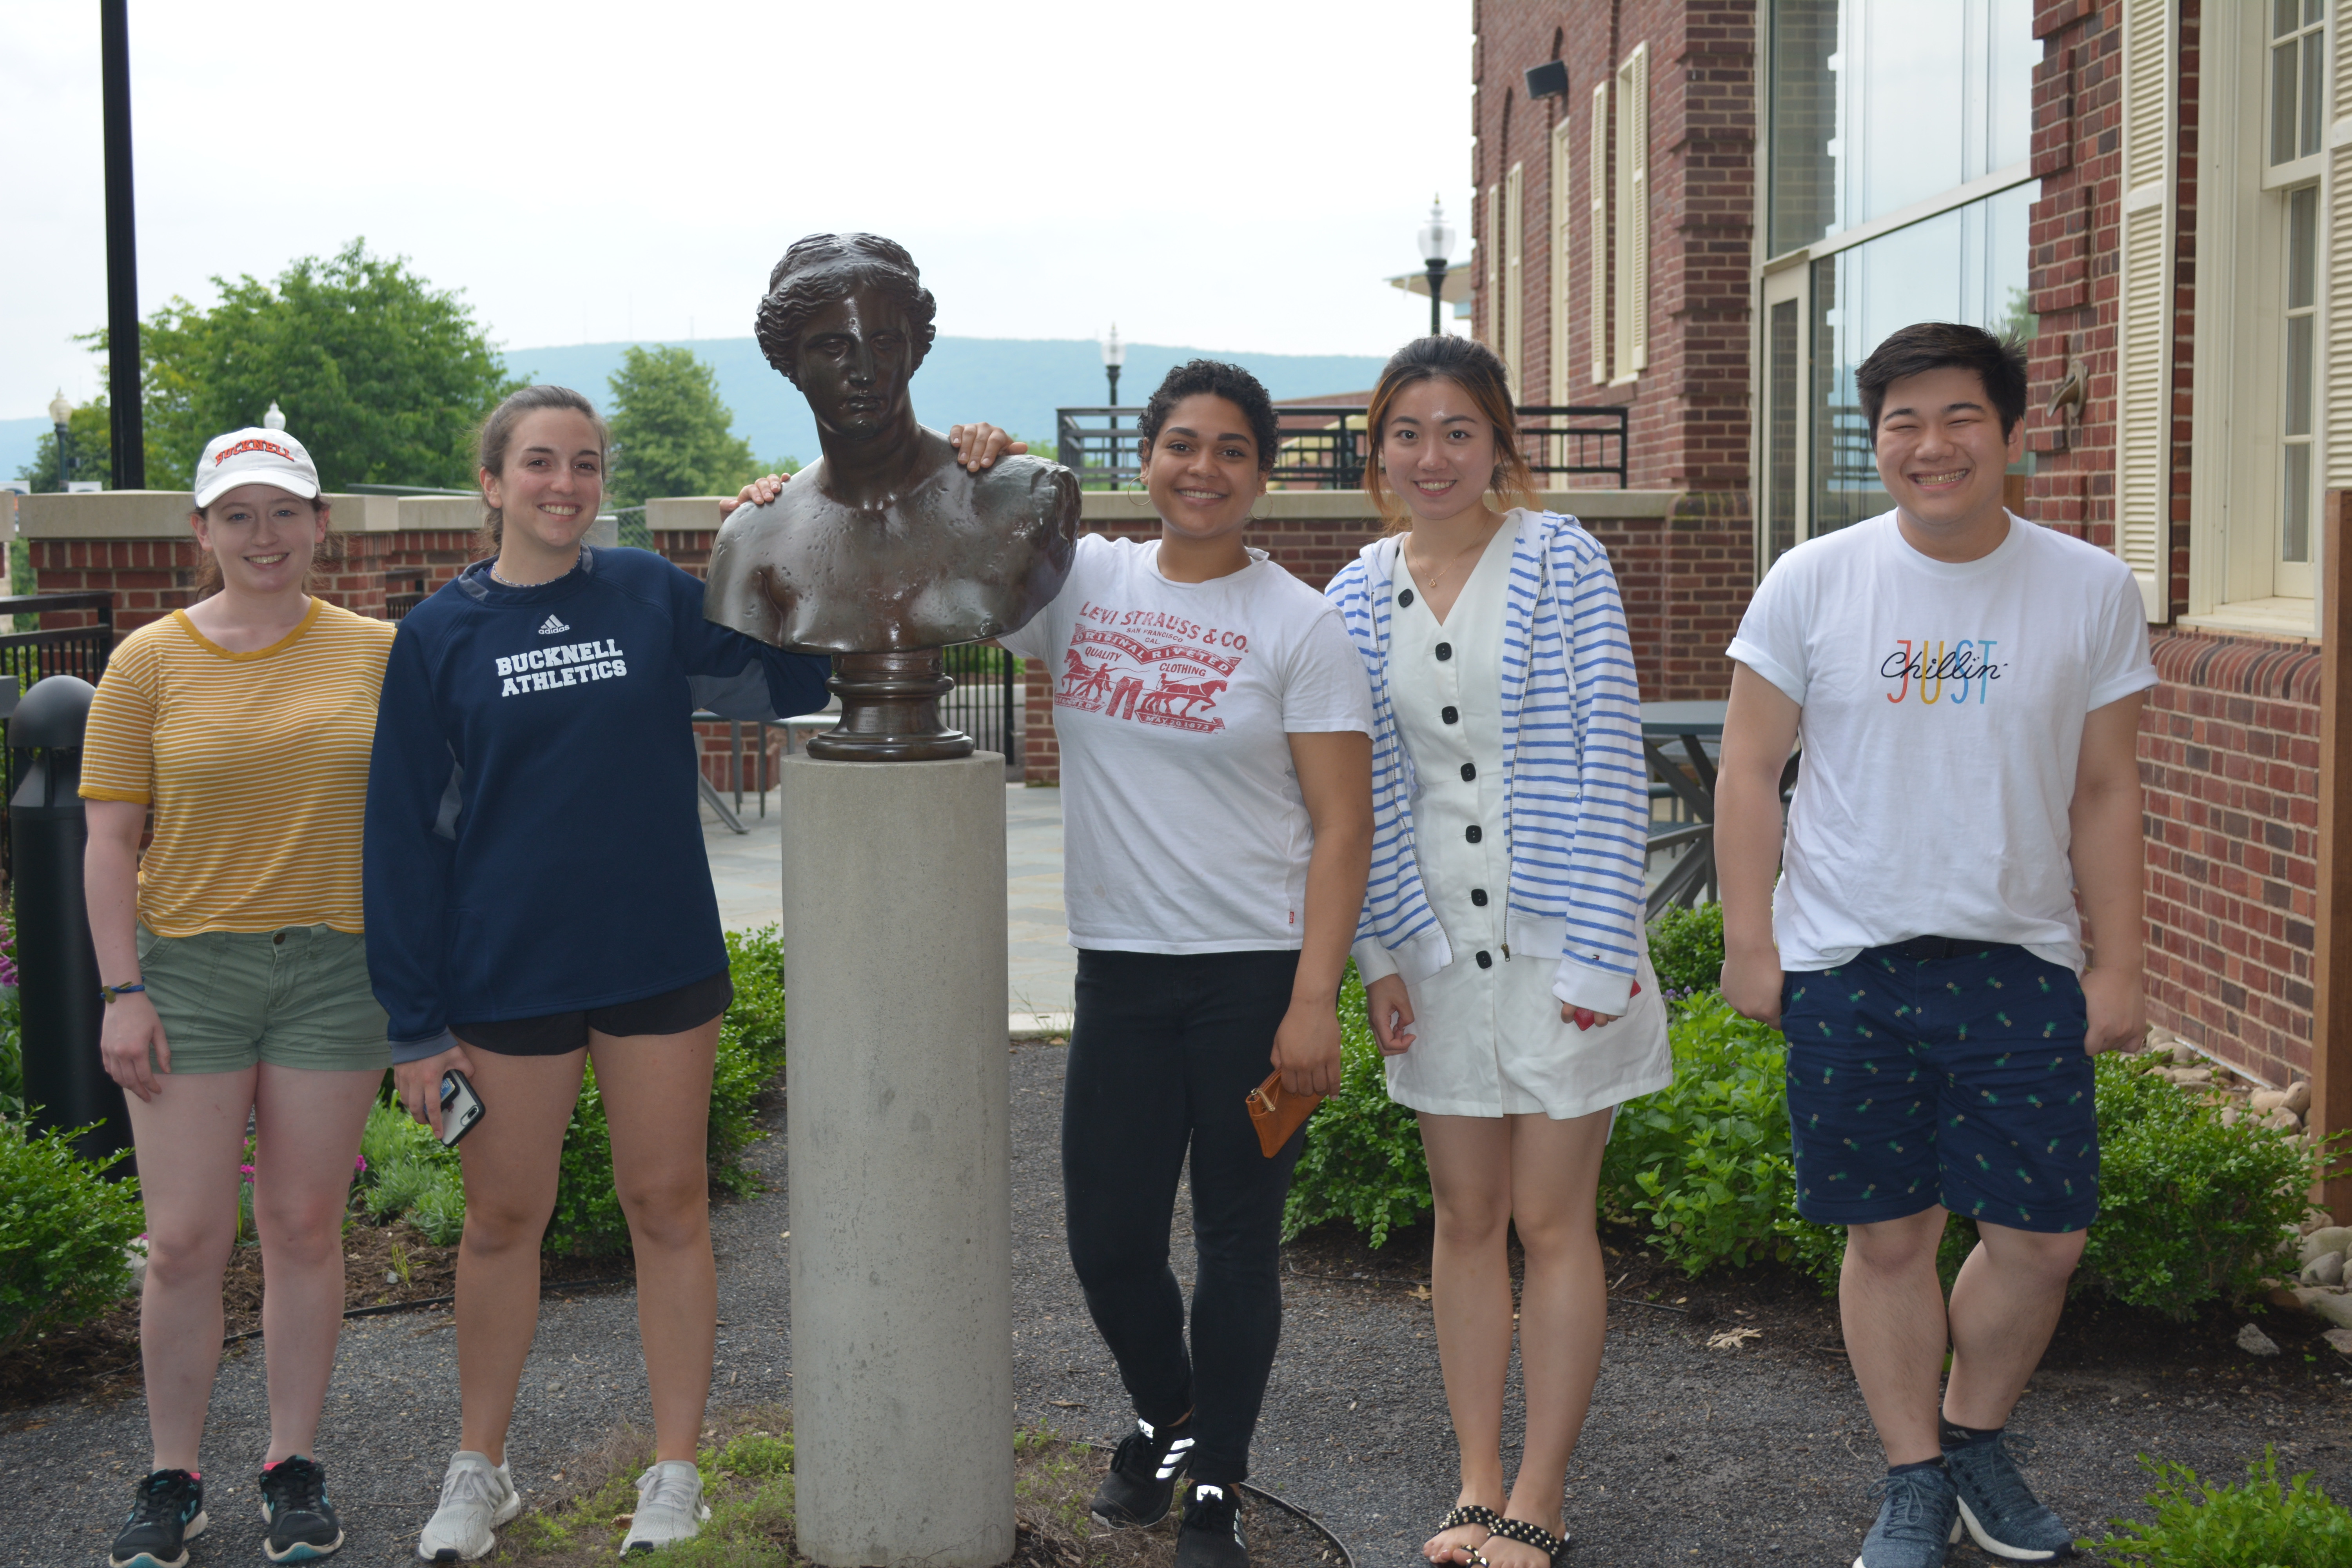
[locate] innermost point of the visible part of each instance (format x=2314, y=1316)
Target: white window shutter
x=1634, y=212
x=2337, y=202
x=1599, y=219
x=1514, y=345
x=1494, y=268
x=2144, y=333
x=1556, y=259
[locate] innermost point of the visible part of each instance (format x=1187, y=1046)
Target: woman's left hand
x=979, y=446
x=759, y=492
x=1307, y=1048
x=1586, y=1018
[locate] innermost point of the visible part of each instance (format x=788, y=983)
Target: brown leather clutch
x=1277, y=1113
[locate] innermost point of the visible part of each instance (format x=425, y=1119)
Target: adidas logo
x=549, y=626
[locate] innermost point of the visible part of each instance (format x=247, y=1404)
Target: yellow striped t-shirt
x=255, y=763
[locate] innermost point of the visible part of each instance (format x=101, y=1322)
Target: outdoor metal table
x=1690, y=780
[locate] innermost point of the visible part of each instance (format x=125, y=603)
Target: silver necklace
x=1429, y=585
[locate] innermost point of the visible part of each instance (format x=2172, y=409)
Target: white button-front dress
x=1488, y=1036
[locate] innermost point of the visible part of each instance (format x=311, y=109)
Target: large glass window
x=1966, y=265
x=2302, y=295
x=2298, y=77
x=1874, y=105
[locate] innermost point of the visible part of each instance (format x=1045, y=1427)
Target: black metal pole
x=1436, y=293
x=64, y=457
x=126, y=421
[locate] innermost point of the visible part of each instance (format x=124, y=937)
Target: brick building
x=1726, y=204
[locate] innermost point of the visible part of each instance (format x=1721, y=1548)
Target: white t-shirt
x=1943, y=719
x=1182, y=826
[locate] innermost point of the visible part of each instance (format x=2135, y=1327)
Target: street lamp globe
x=1435, y=238
x=276, y=418
x=61, y=409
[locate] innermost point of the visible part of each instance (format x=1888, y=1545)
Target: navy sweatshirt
x=534, y=844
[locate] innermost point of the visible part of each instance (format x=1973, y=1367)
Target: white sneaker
x=670, y=1507
x=476, y=1498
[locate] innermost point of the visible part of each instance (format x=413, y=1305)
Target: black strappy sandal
x=1526, y=1534
x=1484, y=1518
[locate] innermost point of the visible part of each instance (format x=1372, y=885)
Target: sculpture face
x=888, y=550
x=854, y=361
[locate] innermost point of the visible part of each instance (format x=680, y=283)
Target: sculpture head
x=846, y=319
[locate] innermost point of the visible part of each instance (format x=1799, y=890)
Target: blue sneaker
x=1918, y=1521
x=2000, y=1510
x=302, y=1523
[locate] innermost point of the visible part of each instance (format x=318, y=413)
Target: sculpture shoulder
x=1036, y=487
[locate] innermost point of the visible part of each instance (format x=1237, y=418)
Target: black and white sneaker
x=1145, y=1475
x=168, y=1514
x=302, y=1523
x=1211, y=1532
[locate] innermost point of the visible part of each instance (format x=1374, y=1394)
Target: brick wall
x=1689, y=406
x=2228, y=755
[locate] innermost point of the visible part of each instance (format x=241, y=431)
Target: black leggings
x=1163, y=1054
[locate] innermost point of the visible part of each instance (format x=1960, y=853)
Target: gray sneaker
x=2000, y=1510
x=669, y=1508
x=1918, y=1521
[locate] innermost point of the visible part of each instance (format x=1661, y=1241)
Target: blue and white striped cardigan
x=1576, y=811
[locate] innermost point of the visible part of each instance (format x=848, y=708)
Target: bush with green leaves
x=1687, y=949
x=64, y=1233
x=409, y=1172
x=1362, y=1163
x=2188, y=1209
x=2261, y=1524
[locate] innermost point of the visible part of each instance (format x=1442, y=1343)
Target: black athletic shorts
x=559, y=1033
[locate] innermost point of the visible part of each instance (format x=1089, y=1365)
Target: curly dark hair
x=821, y=269
x=1218, y=379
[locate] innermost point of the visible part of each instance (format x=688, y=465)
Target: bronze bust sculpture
x=888, y=548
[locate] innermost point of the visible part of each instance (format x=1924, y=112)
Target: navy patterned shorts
x=1916, y=1079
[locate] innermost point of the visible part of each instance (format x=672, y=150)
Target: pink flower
x=246, y=1170
x=360, y=1167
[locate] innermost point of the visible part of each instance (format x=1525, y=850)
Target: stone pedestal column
x=899, y=1161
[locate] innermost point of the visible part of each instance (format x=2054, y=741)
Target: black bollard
x=56, y=967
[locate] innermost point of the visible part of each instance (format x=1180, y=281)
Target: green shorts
x=296, y=998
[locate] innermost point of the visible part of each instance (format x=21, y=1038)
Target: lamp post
x=60, y=414
x=276, y=418
x=1436, y=240
x=1114, y=354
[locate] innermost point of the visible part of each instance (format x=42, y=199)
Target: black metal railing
x=1325, y=449
x=985, y=703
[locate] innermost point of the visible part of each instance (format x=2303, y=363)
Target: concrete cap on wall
x=163, y=514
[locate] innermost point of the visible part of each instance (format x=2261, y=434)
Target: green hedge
x=64, y=1233
x=2190, y=1211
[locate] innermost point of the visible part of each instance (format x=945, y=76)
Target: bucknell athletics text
x=563, y=664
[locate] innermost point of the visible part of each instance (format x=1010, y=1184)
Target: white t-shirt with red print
x=1183, y=829
x=1943, y=719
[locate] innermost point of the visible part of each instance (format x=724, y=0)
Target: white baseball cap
x=254, y=456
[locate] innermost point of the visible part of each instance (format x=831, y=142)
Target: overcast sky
x=1233, y=175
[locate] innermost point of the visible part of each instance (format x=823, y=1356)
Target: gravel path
x=1757, y=1454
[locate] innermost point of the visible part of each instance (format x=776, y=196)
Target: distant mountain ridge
x=1013, y=382
x=1016, y=383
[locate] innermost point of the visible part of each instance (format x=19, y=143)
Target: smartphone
x=461, y=1108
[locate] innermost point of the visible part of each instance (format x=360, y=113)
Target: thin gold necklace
x=1428, y=584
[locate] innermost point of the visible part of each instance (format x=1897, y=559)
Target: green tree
x=673, y=436
x=384, y=377
x=90, y=434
